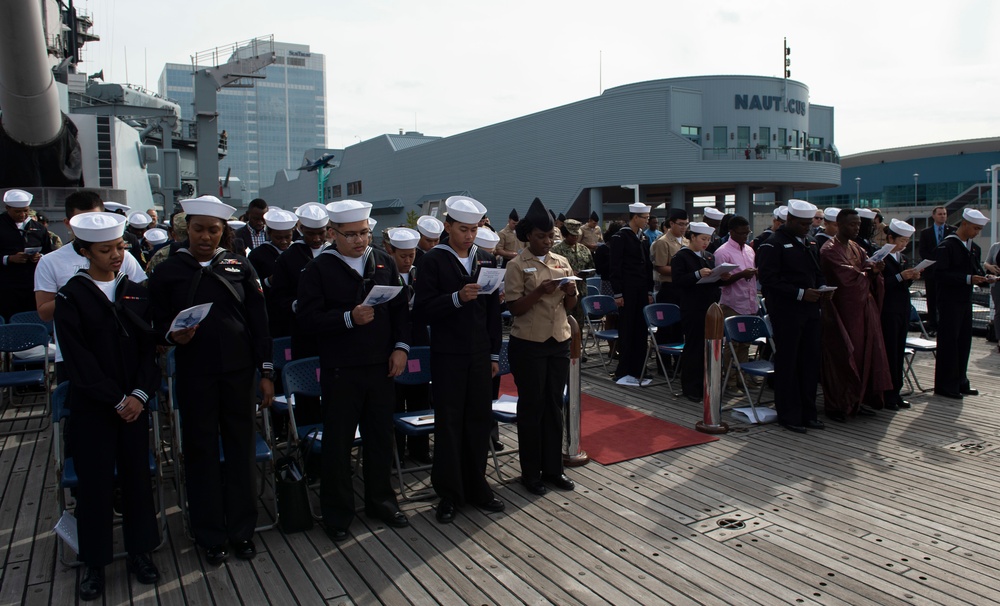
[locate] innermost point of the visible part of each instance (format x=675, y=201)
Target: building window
x=354, y=188
x=743, y=137
x=720, y=134
x=337, y=191
x=692, y=133
x=764, y=138
x=783, y=138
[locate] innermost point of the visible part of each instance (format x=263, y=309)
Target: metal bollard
x=573, y=455
x=712, y=421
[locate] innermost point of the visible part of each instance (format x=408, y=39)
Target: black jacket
x=695, y=299
x=955, y=263
x=786, y=266
x=631, y=270
x=20, y=276
x=897, y=291
x=455, y=327
x=284, y=283
x=235, y=334
x=109, y=348
x=928, y=243
x=246, y=237
x=329, y=289
x=264, y=258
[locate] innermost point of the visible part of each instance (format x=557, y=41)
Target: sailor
x=465, y=353
x=713, y=217
x=104, y=331
x=156, y=238
x=56, y=269
x=362, y=349
x=430, y=235
x=829, y=230
x=138, y=223
x=487, y=240
x=778, y=217
x=790, y=274
x=895, y=315
x=867, y=231
x=313, y=220
x=115, y=207
x=590, y=234
x=632, y=281
x=958, y=270
x=509, y=245
x=23, y=241
x=371, y=230
x=216, y=362
x=402, y=245
x=279, y=225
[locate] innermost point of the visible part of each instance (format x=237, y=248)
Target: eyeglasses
x=355, y=235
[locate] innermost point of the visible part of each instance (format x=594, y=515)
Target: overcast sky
x=897, y=73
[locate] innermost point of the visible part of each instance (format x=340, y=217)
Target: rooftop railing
x=784, y=154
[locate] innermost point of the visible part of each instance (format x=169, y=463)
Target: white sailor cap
x=465, y=209
x=207, y=206
x=403, y=238
x=780, y=213
x=713, y=213
x=139, y=220
x=17, y=198
x=372, y=223
x=638, y=208
x=866, y=213
x=974, y=216
x=313, y=215
x=901, y=228
x=801, y=209
x=235, y=224
x=699, y=227
x=349, y=211
x=155, y=236
x=830, y=214
x=116, y=207
x=486, y=238
x=98, y=227
x=277, y=219
x=430, y=227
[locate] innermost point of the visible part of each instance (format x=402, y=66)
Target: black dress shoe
x=865, y=411
x=244, y=550
x=893, y=407
x=142, y=566
x=559, y=481
x=954, y=395
x=493, y=504
x=968, y=391
x=216, y=554
x=815, y=424
x=903, y=404
x=795, y=428
x=837, y=416
x=445, y=512
x=396, y=519
x=535, y=486
x=92, y=583
x=335, y=534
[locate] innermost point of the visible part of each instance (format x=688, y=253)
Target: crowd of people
x=838, y=306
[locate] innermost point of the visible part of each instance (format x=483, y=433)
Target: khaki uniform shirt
x=508, y=241
x=547, y=317
x=578, y=255
x=590, y=236
x=663, y=251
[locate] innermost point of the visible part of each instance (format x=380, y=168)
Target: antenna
x=786, y=68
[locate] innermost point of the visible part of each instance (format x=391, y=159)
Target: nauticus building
x=725, y=139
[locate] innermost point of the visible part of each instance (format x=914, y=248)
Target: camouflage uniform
x=580, y=258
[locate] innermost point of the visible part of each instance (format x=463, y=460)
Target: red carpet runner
x=612, y=434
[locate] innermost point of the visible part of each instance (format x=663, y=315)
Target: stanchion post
x=573, y=454
x=712, y=420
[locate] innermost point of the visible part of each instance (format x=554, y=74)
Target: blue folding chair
x=301, y=378
x=66, y=471
x=508, y=418
x=596, y=309
x=417, y=423
x=914, y=346
x=748, y=329
x=661, y=316
x=593, y=291
x=18, y=338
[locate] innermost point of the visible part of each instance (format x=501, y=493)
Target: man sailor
x=313, y=218
x=138, y=224
x=279, y=225
x=508, y=246
x=632, y=281
x=958, y=270
x=362, y=349
x=430, y=235
x=779, y=215
x=465, y=352
x=23, y=241
x=590, y=233
x=829, y=231
x=713, y=217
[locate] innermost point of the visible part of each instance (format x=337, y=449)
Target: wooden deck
x=898, y=509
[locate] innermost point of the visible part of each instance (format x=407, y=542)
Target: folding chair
x=662, y=315
x=263, y=454
x=748, y=329
x=914, y=346
x=597, y=308
x=500, y=416
x=593, y=291
x=34, y=358
x=66, y=470
x=414, y=424
x=18, y=338
x=595, y=282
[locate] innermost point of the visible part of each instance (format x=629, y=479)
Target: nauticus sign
x=769, y=102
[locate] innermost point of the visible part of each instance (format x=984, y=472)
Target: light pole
x=857, y=182
x=915, y=177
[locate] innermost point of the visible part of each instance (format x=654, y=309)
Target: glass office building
x=268, y=125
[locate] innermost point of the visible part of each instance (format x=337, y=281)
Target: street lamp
x=915, y=177
x=857, y=181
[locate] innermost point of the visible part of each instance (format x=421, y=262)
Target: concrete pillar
x=597, y=203
x=720, y=202
x=786, y=193
x=743, y=200
x=677, y=194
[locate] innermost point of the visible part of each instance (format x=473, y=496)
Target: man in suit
x=790, y=274
x=958, y=270
x=930, y=239
x=632, y=281
x=253, y=233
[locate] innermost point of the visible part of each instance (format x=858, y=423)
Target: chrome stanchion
x=573, y=455
x=712, y=421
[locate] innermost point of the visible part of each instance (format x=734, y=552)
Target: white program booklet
x=716, y=274
x=881, y=253
x=506, y=404
x=190, y=317
x=381, y=294
x=924, y=264
x=490, y=279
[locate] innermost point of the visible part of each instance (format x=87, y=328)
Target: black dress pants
x=894, y=329
x=796, y=365
x=540, y=371
x=954, y=342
